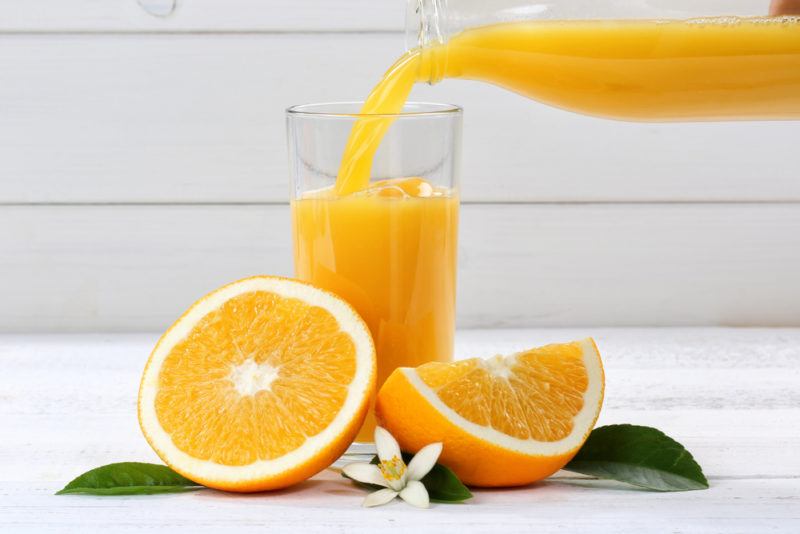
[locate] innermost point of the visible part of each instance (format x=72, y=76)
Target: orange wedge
x=259, y=385
x=505, y=421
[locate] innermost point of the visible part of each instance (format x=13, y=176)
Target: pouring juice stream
x=722, y=68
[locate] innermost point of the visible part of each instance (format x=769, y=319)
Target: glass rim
x=327, y=110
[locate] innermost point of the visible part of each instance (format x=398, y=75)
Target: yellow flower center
x=393, y=469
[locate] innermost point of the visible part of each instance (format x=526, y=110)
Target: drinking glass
x=388, y=249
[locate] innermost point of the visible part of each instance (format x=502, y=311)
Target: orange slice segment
x=259, y=385
x=505, y=421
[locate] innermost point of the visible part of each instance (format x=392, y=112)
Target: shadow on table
x=565, y=482
x=306, y=486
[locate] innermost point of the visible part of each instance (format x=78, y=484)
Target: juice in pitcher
x=634, y=63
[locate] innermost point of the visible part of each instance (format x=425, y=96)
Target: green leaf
x=129, y=478
x=639, y=455
x=442, y=484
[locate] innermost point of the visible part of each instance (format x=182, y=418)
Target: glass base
x=356, y=452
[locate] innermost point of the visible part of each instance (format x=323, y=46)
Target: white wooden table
x=732, y=396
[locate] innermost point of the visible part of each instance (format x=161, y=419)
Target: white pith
x=250, y=377
x=582, y=423
x=500, y=366
x=358, y=389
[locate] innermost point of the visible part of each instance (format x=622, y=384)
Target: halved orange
x=259, y=385
x=505, y=421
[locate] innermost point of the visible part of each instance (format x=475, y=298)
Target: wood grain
x=200, y=118
x=128, y=268
x=330, y=504
x=68, y=404
x=306, y=15
x=143, y=160
x=200, y=15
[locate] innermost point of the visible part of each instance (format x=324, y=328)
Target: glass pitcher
x=642, y=60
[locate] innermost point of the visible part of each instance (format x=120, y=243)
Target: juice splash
x=641, y=70
x=390, y=251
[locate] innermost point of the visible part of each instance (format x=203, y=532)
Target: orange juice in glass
x=389, y=248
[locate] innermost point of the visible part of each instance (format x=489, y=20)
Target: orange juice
x=642, y=70
x=390, y=251
x=394, y=258
x=714, y=68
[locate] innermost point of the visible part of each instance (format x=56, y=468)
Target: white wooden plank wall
x=142, y=163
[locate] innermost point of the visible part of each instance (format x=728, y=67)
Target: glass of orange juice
x=388, y=248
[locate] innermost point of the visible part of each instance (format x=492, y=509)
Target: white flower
x=392, y=473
